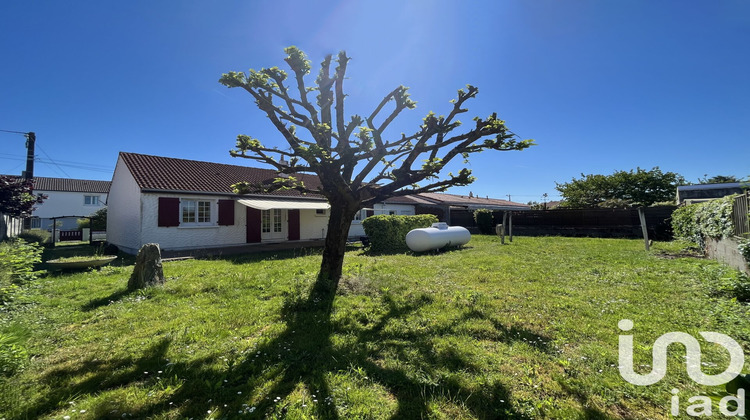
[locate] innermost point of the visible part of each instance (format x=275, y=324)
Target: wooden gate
x=71, y=235
x=740, y=214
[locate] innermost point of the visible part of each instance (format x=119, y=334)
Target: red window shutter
x=169, y=211
x=226, y=212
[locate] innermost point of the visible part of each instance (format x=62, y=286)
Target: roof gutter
x=232, y=195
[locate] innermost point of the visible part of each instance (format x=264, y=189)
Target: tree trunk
x=335, y=247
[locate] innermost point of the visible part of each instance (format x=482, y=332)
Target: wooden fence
x=740, y=214
x=608, y=223
x=10, y=227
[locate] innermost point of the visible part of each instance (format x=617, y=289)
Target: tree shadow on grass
x=284, y=372
x=107, y=300
x=371, y=253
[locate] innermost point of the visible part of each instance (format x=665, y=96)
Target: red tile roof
x=156, y=173
x=69, y=185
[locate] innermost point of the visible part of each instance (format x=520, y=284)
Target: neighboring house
x=401, y=206
x=66, y=197
x=443, y=204
x=185, y=204
x=689, y=194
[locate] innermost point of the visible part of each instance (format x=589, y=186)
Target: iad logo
x=693, y=366
x=693, y=361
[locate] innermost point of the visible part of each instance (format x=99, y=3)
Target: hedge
x=485, y=221
x=712, y=219
x=388, y=233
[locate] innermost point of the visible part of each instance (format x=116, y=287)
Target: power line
x=69, y=164
x=48, y=157
x=14, y=132
x=59, y=161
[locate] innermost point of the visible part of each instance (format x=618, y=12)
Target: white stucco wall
x=356, y=229
x=63, y=203
x=190, y=237
x=312, y=226
x=124, y=210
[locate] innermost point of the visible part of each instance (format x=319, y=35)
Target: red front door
x=253, y=225
x=293, y=216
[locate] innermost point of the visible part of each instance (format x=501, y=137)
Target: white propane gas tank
x=438, y=236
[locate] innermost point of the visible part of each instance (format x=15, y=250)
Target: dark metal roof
x=462, y=200
x=728, y=185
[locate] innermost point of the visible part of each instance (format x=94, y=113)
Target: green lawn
x=522, y=330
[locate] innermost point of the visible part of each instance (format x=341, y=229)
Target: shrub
x=36, y=236
x=484, y=220
x=684, y=224
x=714, y=217
x=13, y=355
x=388, y=233
x=711, y=219
x=17, y=259
x=744, y=248
x=98, y=220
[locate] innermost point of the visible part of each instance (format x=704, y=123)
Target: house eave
x=231, y=195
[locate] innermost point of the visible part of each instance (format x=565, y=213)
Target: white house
x=186, y=204
x=393, y=206
x=66, y=197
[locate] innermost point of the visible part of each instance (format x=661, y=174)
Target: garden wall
x=725, y=250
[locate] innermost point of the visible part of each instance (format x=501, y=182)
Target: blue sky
x=600, y=85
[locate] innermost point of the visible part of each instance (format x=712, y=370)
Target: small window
x=320, y=212
x=91, y=200
x=392, y=212
x=32, y=223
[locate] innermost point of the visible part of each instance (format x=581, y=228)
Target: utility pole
x=508, y=195
x=30, y=140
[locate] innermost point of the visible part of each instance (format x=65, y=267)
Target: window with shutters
x=195, y=212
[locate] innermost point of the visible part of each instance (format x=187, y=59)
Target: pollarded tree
x=357, y=163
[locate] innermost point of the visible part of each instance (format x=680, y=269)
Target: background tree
x=621, y=189
x=16, y=196
x=98, y=220
x=718, y=179
x=358, y=163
